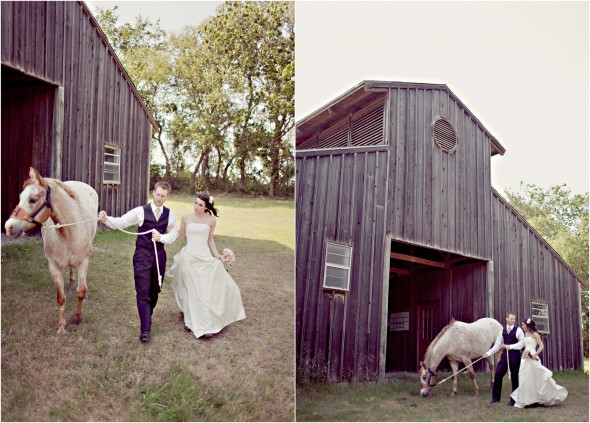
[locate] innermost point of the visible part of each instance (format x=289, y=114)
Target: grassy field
x=398, y=399
x=100, y=371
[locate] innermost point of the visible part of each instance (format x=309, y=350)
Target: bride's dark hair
x=208, y=203
x=531, y=325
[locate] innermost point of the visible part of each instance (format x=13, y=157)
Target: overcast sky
x=520, y=67
x=173, y=15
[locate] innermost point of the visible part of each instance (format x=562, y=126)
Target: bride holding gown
x=206, y=294
x=535, y=381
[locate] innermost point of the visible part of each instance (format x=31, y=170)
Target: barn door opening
x=31, y=131
x=428, y=321
x=426, y=288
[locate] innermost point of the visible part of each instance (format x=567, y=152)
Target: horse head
x=427, y=380
x=34, y=206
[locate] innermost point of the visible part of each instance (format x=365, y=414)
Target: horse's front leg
x=455, y=369
x=81, y=290
x=468, y=363
x=57, y=276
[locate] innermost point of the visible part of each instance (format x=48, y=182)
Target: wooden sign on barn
x=69, y=109
x=398, y=230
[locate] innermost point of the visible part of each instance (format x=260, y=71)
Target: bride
x=535, y=381
x=206, y=294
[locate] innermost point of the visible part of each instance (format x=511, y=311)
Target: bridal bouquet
x=228, y=256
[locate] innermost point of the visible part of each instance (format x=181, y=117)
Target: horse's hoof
x=76, y=320
x=61, y=331
x=453, y=394
x=477, y=393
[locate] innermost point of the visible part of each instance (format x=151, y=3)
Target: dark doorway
x=428, y=322
x=27, y=132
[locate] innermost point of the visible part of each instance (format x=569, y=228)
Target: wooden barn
x=398, y=230
x=68, y=106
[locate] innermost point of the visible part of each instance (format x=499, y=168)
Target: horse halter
x=430, y=375
x=20, y=214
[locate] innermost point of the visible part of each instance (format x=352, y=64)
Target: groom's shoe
x=511, y=403
x=493, y=401
x=145, y=336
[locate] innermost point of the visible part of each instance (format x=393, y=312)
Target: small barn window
x=444, y=135
x=399, y=321
x=540, y=315
x=337, y=271
x=112, y=165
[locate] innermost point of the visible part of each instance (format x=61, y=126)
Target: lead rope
x=60, y=225
x=472, y=363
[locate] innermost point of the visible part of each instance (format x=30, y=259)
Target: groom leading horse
x=511, y=340
x=161, y=222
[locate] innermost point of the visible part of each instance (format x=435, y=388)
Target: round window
x=444, y=135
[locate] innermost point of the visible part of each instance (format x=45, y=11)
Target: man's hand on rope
x=102, y=216
x=156, y=236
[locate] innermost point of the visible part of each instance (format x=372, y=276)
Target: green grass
x=100, y=371
x=398, y=399
x=254, y=218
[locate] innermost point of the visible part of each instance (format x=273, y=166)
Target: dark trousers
x=501, y=370
x=147, y=288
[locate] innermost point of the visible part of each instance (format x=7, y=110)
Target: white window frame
x=114, y=166
x=540, y=314
x=337, y=266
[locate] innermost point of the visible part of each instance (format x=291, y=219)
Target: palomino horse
x=50, y=201
x=459, y=342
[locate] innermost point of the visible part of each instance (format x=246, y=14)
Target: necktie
x=157, y=214
x=509, y=327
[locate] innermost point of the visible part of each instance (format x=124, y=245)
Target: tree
x=562, y=219
x=252, y=46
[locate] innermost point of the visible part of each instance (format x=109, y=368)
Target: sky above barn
x=173, y=15
x=520, y=67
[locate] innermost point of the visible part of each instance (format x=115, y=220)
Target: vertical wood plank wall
x=527, y=269
x=58, y=42
x=436, y=199
x=338, y=335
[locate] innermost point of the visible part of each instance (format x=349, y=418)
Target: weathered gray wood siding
x=59, y=43
x=526, y=268
x=338, y=334
x=459, y=293
x=438, y=199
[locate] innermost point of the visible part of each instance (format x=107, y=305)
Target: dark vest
x=509, y=339
x=144, y=242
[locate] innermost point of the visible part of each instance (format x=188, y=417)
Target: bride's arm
x=182, y=231
x=537, y=338
x=211, y=241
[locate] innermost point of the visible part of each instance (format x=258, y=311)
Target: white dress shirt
x=136, y=216
x=500, y=341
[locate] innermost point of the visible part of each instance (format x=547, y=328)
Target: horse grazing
x=50, y=201
x=459, y=342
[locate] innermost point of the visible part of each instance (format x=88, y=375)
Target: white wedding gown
x=204, y=290
x=535, y=381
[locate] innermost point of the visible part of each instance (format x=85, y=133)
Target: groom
x=511, y=339
x=161, y=222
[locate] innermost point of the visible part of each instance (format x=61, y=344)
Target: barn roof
x=364, y=93
x=102, y=35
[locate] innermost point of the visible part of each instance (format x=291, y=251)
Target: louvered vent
x=336, y=139
x=368, y=129
x=444, y=135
